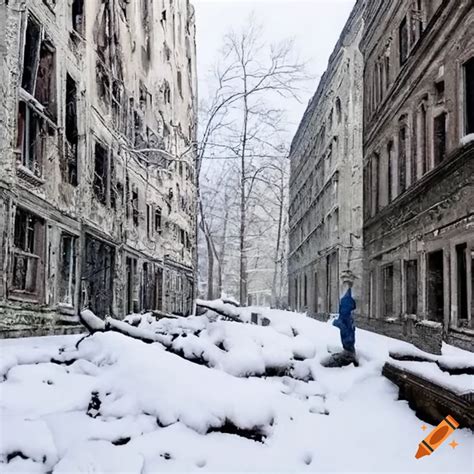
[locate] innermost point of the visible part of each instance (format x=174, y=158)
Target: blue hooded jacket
x=345, y=323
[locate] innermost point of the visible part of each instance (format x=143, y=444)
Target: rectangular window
x=31, y=55
x=135, y=206
x=388, y=291
x=28, y=253
x=411, y=286
x=375, y=183
x=403, y=41
x=100, y=173
x=435, y=286
x=305, y=294
x=69, y=167
x=31, y=136
x=423, y=138
x=461, y=262
x=77, y=14
x=149, y=217
x=469, y=96
x=67, y=269
x=390, y=171
x=402, y=159
x=439, y=135
x=158, y=220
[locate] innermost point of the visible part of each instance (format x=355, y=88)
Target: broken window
x=439, y=135
x=67, y=275
x=305, y=291
x=45, y=78
x=387, y=276
x=97, y=276
x=411, y=286
x=158, y=220
x=135, y=209
x=31, y=55
x=469, y=96
x=338, y=110
x=32, y=132
x=403, y=41
x=100, y=173
x=69, y=170
x=28, y=253
x=180, y=83
x=436, y=286
x=77, y=16
x=103, y=83
x=387, y=70
x=402, y=159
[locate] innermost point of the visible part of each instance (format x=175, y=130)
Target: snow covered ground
x=215, y=396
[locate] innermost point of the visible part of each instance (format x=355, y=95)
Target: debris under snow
x=210, y=395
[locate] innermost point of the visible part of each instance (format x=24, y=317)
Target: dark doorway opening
x=436, y=286
x=97, y=277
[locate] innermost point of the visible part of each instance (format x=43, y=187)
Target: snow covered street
x=214, y=396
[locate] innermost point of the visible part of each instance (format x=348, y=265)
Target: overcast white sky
x=314, y=24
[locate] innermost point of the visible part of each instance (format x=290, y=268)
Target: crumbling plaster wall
x=163, y=176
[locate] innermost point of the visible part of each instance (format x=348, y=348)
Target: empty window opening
x=67, y=272
x=100, y=173
x=403, y=41
x=131, y=300
x=390, y=171
x=135, y=208
x=97, y=277
x=469, y=96
x=388, y=306
x=461, y=261
x=435, y=286
x=439, y=136
x=28, y=253
x=439, y=90
x=423, y=138
x=411, y=286
x=402, y=159
x=69, y=170
x=158, y=220
x=180, y=83
x=31, y=55
x=77, y=14
x=45, y=87
x=32, y=132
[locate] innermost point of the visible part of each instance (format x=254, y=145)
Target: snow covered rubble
x=217, y=411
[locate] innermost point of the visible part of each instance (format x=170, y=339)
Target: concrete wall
x=134, y=69
x=325, y=215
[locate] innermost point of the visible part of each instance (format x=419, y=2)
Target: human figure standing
x=345, y=322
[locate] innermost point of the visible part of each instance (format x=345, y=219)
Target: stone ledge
x=9, y=333
x=431, y=402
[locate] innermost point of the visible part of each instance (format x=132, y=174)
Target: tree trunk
x=243, y=256
x=277, y=250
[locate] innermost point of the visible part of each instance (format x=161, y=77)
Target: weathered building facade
x=419, y=170
x=97, y=133
x=325, y=214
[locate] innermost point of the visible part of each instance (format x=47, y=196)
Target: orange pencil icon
x=437, y=436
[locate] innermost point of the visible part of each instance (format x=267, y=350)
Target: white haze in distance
x=315, y=25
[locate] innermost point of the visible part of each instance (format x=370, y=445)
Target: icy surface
x=166, y=405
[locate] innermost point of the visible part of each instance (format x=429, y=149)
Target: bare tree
x=251, y=75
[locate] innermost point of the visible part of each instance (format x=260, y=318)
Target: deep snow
x=161, y=412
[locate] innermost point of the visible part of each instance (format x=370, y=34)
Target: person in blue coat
x=345, y=322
